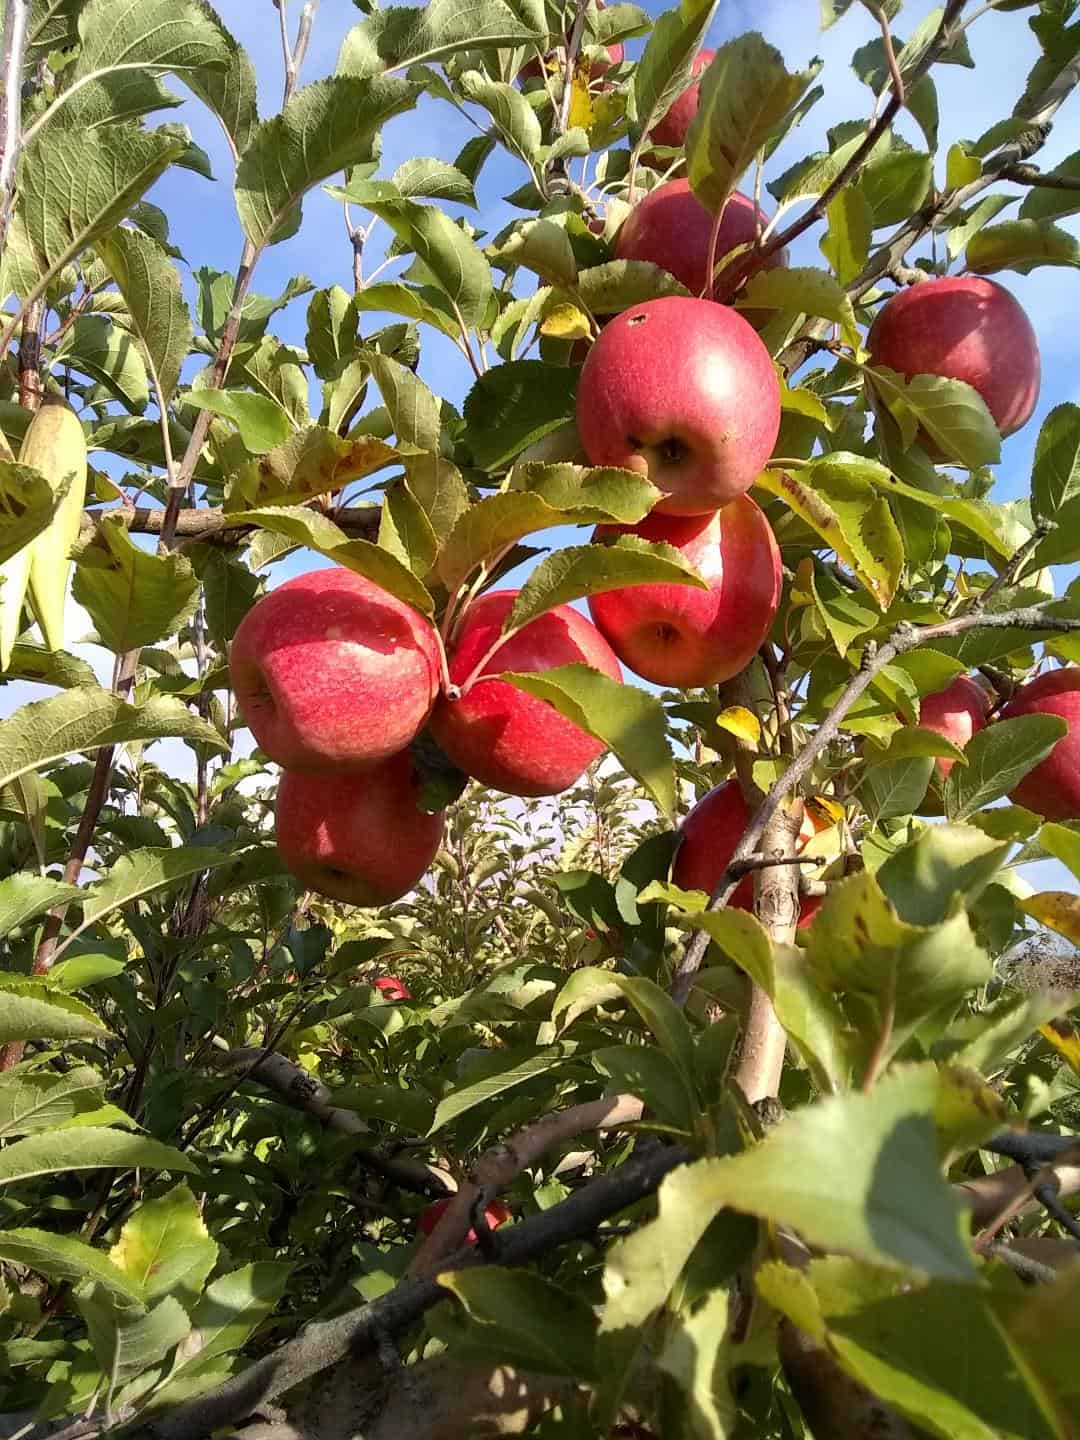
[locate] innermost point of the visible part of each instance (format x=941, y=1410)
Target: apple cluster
x=335, y=677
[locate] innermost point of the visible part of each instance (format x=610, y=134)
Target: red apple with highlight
x=1052, y=789
x=391, y=988
x=671, y=130
x=963, y=327
x=495, y=732
x=357, y=835
x=331, y=670
x=671, y=228
x=680, y=636
x=684, y=391
x=956, y=713
x=710, y=834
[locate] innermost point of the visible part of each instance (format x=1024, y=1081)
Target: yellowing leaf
x=1057, y=910
x=581, y=104
x=741, y=723
x=566, y=322
x=1064, y=1036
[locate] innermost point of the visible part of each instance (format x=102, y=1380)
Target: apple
x=392, y=988
x=956, y=713
x=1052, y=789
x=357, y=835
x=671, y=130
x=330, y=670
x=679, y=636
x=498, y=734
x=496, y=1214
x=681, y=390
x=671, y=228
x=710, y=834
x=964, y=328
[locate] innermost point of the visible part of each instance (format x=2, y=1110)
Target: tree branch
x=302, y=1091
x=1032, y=175
x=16, y=21
x=361, y=521
x=498, y=1168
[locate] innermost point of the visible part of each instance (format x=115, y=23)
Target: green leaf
x=513, y=405
x=895, y=787
x=24, y=896
x=135, y=598
x=857, y=1173
x=1043, y=203
x=806, y=291
x=696, y=1355
x=311, y=462
x=232, y=1309
x=185, y=37
x=141, y=872
x=969, y=222
x=998, y=759
x=630, y=722
x=528, y=1320
x=97, y=347
x=540, y=246
x=1056, y=840
x=150, y=286
x=262, y=423
x=938, y=1355
x=664, y=69
x=951, y=413
x=165, y=1248
x=126, y=1345
x=27, y=505
x=414, y=410
x=896, y=184
x=860, y=949
x=406, y=531
x=924, y=877
x=32, y=1010
x=324, y=128
x=454, y=262
x=579, y=570
x=308, y=527
x=1055, y=479
x=89, y=1148
x=430, y=307
x=1021, y=245
x=39, y=1100
x=646, y=1072
x=617, y=284
x=332, y=336
x=746, y=94
x=514, y=118
x=515, y=1067
x=63, y=1259
x=74, y=187
x=398, y=36
x=837, y=498
x=434, y=180
x=846, y=243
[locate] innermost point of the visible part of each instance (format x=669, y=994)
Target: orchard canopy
x=539, y=767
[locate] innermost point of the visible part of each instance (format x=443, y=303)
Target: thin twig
x=1032, y=175
x=11, y=69
x=890, y=53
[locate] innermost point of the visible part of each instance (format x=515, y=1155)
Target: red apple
x=495, y=1214
x=676, y=635
x=392, y=988
x=964, y=328
x=671, y=130
x=498, y=734
x=956, y=713
x=357, y=835
x=1052, y=789
x=684, y=391
x=672, y=229
x=710, y=834
x=330, y=670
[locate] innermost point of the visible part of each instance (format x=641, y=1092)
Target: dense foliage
x=226, y=1102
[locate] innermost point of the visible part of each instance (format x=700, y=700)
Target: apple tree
x=528, y=934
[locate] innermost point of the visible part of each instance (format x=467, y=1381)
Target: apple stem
x=486, y=659
x=714, y=239
x=449, y=689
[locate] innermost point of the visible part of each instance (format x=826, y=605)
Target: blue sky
x=205, y=228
